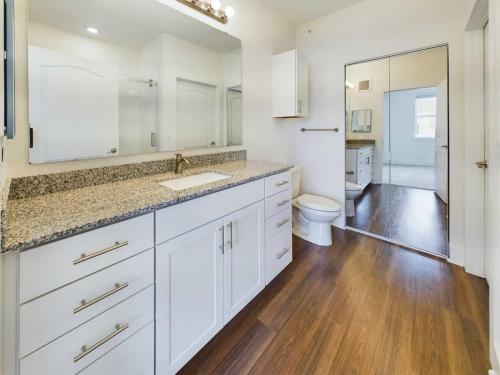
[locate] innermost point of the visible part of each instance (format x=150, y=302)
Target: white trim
x=474, y=218
x=397, y=243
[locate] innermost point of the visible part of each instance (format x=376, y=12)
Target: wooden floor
x=361, y=307
x=411, y=216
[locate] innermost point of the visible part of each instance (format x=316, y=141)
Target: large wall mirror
x=122, y=77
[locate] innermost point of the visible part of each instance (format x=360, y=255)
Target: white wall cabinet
x=290, y=85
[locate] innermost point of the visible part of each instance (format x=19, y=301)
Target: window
x=425, y=116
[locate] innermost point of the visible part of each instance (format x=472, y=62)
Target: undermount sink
x=187, y=182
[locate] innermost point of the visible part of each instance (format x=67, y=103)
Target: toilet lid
x=352, y=186
x=319, y=203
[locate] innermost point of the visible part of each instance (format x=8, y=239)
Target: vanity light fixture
x=211, y=8
x=92, y=30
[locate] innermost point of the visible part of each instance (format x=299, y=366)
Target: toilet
x=313, y=215
x=352, y=191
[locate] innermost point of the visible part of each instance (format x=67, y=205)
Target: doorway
x=397, y=159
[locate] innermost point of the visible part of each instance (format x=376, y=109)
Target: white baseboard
x=456, y=256
x=492, y=372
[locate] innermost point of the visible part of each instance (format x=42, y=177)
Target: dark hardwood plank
x=415, y=217
x=361, y=306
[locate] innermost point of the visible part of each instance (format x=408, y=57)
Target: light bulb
x=92, y=30
x=215, y=4
x=229, y=11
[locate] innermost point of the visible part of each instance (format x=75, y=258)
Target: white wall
x=399, y=127
x=377, y=72
x=263, y=33
x=366, y=30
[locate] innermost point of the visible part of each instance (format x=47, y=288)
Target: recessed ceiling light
x=92, y=30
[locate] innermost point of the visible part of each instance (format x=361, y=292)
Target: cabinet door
x=302, y=87
x=244, y=258
x=189, y=299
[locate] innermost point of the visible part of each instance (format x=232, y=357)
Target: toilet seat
x=318, y=203
x=352, y=186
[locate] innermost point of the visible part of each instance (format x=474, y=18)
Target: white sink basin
x=187, y=182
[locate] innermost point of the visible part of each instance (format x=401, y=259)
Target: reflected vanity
x=101, y=88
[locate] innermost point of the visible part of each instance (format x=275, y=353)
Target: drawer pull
x=282, y=252
x=281, y=204
x=280, y=224
x=349, y=172
x=87, y=350
x=85, y=304
x=84, y=257
x=278, y=184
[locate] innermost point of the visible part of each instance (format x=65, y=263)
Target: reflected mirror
x=397, y=174
x=361, y=121
x=122, y=77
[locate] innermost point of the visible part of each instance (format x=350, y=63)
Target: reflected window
x=425, y=117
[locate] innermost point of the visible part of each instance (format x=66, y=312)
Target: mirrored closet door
x=397, y=149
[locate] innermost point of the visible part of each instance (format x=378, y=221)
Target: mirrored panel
x=361, y=121
x=397, y=174
x=122, y=77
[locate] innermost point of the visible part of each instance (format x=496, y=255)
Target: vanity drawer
x=51, y=266
x=135, y=356
x=278, y=202
x=181, y=218
x=278, y=183
x=364, y=152
x=278, y=222
x=101, y=334
x=46, y=318
x=278, y=254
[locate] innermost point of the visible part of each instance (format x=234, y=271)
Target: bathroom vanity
x=142, y=276
x=360, y=161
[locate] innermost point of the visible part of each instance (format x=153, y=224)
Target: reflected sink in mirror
x=188, y=182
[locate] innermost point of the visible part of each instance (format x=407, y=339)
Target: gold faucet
x=180, y=163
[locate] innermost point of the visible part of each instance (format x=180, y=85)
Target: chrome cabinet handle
x=280, y=224
x=85, y=304
x=282, y=252
x=281, y=204
x=230, y=242
x=222, y=234
x=87, y=350
x=278, y=184
x=84, y=257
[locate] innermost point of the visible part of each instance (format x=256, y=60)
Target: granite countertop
x=358, y=146
x=41, y=219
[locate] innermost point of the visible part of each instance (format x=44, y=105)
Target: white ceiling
x=131, y=23
x=300, y=11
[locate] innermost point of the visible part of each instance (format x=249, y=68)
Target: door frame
x=474, y=89
x=346, y=124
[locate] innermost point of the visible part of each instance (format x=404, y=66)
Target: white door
x=487, y=124
x=234, y=117
x=441, y=151
x=73, y=107
x=189, y=295
x=196, y=115
x=244, y=258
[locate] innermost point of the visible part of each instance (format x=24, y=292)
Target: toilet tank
x=296, y=174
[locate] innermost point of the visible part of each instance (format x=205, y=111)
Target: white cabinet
x=360, y=165
x=106, y=302
x=203, y=279
x=290, y=85
x=244, y=258
x=189, y=295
